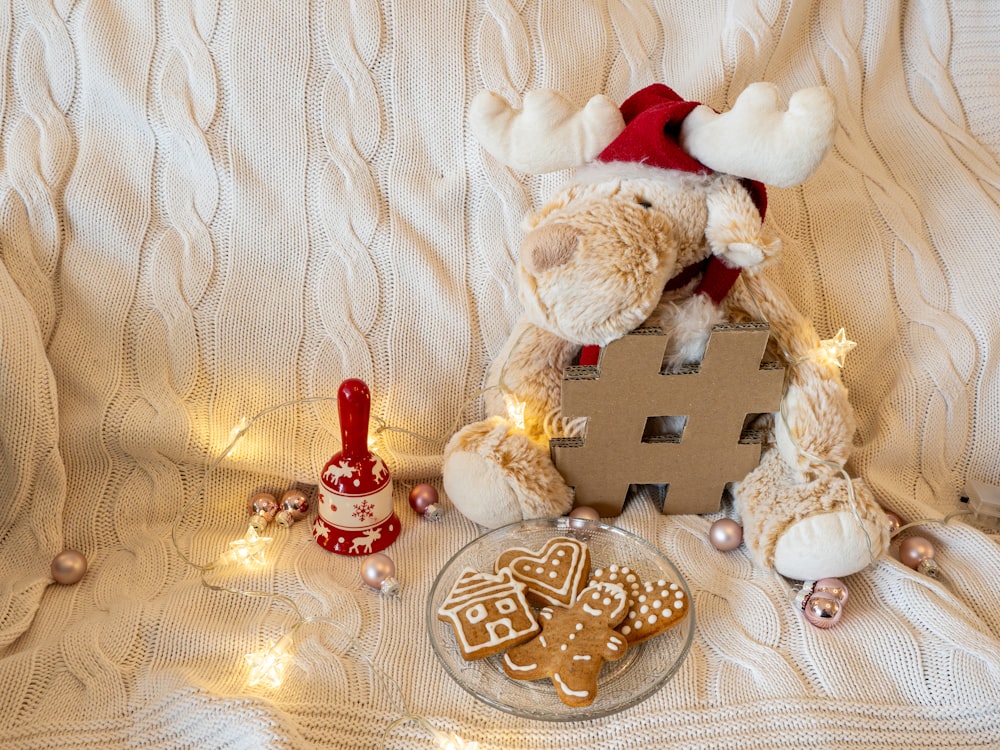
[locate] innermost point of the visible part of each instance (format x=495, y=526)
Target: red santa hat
x=653, y=120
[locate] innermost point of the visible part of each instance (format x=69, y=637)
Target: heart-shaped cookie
x=653, y=608
x=554, y=575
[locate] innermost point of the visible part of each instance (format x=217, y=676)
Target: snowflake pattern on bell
x=364, y=510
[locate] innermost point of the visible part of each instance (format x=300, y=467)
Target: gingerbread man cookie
x=653, y=608
x=574, y=644
x=554, y=575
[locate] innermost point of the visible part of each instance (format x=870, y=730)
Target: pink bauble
x=377, y=568
x=894, y=521
x=264, y=504
x=585, y=512
x=422, y=497
x=832, y=587
x=915, y=549
x=69, y=566
x=725, y=534
x=823, y=610
x=296, y=502
x=263, y=508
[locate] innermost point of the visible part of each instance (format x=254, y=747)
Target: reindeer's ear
x=761, y=140
x=548, y=133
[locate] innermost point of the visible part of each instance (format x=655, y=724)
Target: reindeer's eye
x=643, y=202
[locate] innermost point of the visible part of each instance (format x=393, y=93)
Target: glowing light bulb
x=239, y=428
x=249, y=550
x=515, y=411
x=451, y=741
x=835, y=350
x=267, y=667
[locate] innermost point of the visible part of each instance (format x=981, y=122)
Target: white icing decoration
x=560, y=593
x=518, y=667
x=679, y=594
x=591, y=611
x=658, y=604
x=643, y=609
x=579, y=626
x=678, y=604
x=651, y=619
x=581, y=657
x=473, y=596
x=626, y=630
x=562, y=686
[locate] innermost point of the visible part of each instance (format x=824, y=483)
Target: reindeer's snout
x=549, y=246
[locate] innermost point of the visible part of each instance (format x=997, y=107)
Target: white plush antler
x=761, y=140
x=548, y=133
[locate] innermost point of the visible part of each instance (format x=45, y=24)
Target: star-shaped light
x=267, y=667
x=250, y=549
x=835, y=350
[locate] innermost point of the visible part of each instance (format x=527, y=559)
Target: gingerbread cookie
x=554, y=575
x=653, y=608
x=488, y=613
x=574, y=644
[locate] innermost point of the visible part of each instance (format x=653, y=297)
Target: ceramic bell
x=356, y=514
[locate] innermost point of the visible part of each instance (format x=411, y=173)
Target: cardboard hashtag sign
x=626, y=388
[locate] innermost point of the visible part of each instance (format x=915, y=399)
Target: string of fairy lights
x=268, y=666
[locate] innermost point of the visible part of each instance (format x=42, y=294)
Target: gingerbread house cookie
x=488, y=613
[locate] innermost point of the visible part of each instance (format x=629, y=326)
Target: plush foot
x=495, y=475
x=809, y=530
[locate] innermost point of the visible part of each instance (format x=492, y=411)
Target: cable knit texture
x=208, y=208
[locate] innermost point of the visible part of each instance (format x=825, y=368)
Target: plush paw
x=808, y=530
x=833, y=544
x=743, y=254
x=495, y=475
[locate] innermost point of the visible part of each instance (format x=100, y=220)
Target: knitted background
x=210, y=207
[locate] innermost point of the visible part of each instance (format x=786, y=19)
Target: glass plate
x=643, y=670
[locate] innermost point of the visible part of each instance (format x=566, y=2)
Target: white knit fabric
x=208, y=208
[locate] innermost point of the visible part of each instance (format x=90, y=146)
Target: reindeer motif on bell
x=356, y=515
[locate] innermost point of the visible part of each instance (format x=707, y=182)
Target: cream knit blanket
x=208, y=208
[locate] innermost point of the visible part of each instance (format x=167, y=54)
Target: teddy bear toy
x=660, y=220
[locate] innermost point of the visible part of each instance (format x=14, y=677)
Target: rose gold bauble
x=914, y=550
x=725, y=534
x=68, y=567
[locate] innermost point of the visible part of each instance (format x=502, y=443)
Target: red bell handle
x=354, y=408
